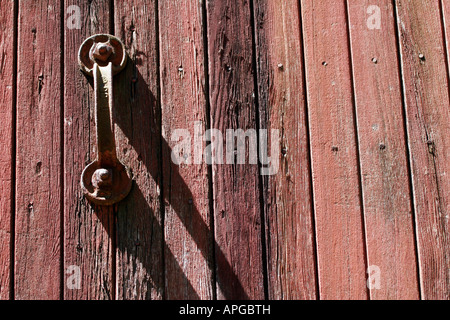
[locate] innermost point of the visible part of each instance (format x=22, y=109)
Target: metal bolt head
x=102, y=51
x=102, y=178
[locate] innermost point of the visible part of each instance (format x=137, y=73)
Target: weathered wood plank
x=384, y=168
x=38, y=189
x=88, y=249
x=445, y=12
x=236, y=192
x=187, y=228
x=7, y=106
x=287, y=193
x=426, y=90
x=140, y=265
x=339, y=230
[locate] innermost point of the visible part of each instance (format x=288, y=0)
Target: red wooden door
x=279, y=150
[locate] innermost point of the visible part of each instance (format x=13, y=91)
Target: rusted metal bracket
x=106, y=180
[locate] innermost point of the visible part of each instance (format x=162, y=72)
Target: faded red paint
x=363, y=118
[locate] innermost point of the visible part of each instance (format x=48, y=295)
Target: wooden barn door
x=356, y=120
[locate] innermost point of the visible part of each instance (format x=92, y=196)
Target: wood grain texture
x=7, y=106
x=236, y=190
x=287, y=193
x=426, y=90
x=38, y=184
x=384, y=168
x=87, y=229
x=140, y=265
x=445, y=13
x=363, y=161
x=187, y=222
x=339, y=229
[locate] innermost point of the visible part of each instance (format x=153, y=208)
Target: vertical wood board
x=334, y=154
x=7, y=87
x=386, y=194
x=37, y=268
x=287, y=191
x=137, y=118
x=187, y=222
x=426, y=90
x=236, y=189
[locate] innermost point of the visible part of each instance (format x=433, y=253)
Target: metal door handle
x=106, y=180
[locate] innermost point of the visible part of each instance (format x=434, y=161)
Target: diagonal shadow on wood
x=142, y=255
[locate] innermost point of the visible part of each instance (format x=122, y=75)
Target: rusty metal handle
x=106, y=180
